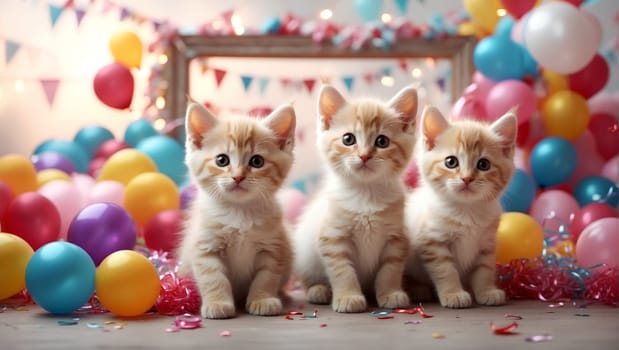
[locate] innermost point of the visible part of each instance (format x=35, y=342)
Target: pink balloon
x=518, y=28
x=599, y=244
x=610, y=170
x=113, y=85
x=521, y=160
x=483, y=85
x=588, y=214
x=163, y=231
x=553, y=208
x=109, y=147
x=67, y=199
x=468, y=107
x=604, y=103
x=508, y=94
x=589, y=162
x=83, y=183
x=293, y=201
x=106, y=191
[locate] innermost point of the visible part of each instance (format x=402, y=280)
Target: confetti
x=94, y=325
x=117, y=325
x=388, y=317
x=188, y=321
x=172, y=330
x=380, y=313
x=513, y=317
x=225, y=334
x=72, y=322
x=418, y=310
x=539, y=338
x=582, y=315
x=438, y=335
x=289, y=318
x=505, y=330
x=323, y=325
x=412, y=322
x=295, y=313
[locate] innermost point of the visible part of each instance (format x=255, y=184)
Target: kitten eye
x=256, y=161
x=349, y=139
x=483, y=164
x=451, y=162
x=382, y=141
x=222, y=160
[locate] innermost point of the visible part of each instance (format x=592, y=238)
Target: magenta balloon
x=113, y=85
x=468, y=107
x=163, y=231
x=101, y=229
x=599, y=244
x=508, y=94
x=588, y=214
x=553, y=208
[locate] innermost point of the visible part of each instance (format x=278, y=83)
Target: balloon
x=69, y=149
x=293, y=201
x=519, y=193
x=124, y=165
x=67, y=198
x=558, y=27
x=84, y=183
x=596, y=189
x=369, y=10
x=588, y=214
x=504, y=27
x=610, y=170
x=60, y=277
x=483, y=85
x=14, y=256
x=49, y=175
x=553, y=82
x=53, y=160
x=589, y=161
x=469, y=106
x=101, y=229
x=126, y=48
x=499, y=58
x=113, y=85
x=565, y=114
x=604, y=103
x=605, y=130
x=552, y=161
x=106, y=191
x=167, y=154
x=139, y=130
x=163, y=231
x=509, y=94
x=127, y=283
x=6, y=197
x=188, y=194
x=148, y=194
x=591, y=78
x=91, y=137
x=34, y=218
x=109, y=147
x=470, y=28
x=553, y=209
x=599, y=244
x=95, y=166
x=484, y=12
x=518, y=28
x=518, y=8
x=518, y=237
x=18, y=173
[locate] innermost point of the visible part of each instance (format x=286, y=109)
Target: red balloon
x=605, y=130
x=6, y=197
x=163, y=231
x=574, y=2
x=588, y=214
x=109, y=147
x=524, y=130
x=95, y=165
x=591, y=78
x=34, y=218
x=518, y=8
x=113, y=85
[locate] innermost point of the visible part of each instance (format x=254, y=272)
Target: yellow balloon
x=126, y=164
x=565, y=114
x=470, y=28
x=484, y=12
x=126, y=48
x=14, y=256
x=18, y=173
x=127, y=283
x=148, y=194
x=554, y=81
x=518, y=236
x=48, y=175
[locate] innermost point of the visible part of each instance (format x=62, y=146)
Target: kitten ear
x=198, y=120
x=283, y=121
x=506, y=127
x=405, y=103
x=330, y=101
x=432, y=125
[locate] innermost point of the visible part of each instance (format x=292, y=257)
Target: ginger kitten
x=351, y=243
x=234, y=242
x=453, y=215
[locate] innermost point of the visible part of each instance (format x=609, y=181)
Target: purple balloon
x=53, y=160
x=101, y=229
x=188, y=193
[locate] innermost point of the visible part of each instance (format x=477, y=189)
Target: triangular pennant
x=10, y=49
x=285, y=82
x=124, y=13
x=402, y=6
x=262, y=84
x=309, y=84
x=348, y=81
x=441, y=83
x=246, y=79
x=79, y=15
x=204, y=67
x=403, y=64
x=69, y=3
x=220, y=74
x=156, y=25
x=386, y=71
x=369, y=78
x=107, y=6
x=50, y=86
x=54, y=13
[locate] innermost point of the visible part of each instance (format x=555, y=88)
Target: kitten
x=453, y=216
x=351, y=241
x=235, y=243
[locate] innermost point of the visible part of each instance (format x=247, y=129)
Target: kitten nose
x=364, y=158
x=467, y=180
x=238, y=179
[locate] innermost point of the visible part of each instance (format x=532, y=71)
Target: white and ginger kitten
x=453, y=215
x=351, y=242
x=235, y=244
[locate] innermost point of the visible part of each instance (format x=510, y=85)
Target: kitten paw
x=265, y=307
x=349, y=303
x=319, y=294
x=457, y=300
x=421, y=293
x=491, y=297
x=393, y=300
x=217, y=310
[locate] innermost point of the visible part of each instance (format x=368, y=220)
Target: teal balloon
x=69, y=149
x=167, y=154
x=499, y=58
x=552, y=161
x=91, y=137
x=369, y=10
x=139, y=130
x=519, y=193
x=531, y=66
x=504, y=27
x=594, y=189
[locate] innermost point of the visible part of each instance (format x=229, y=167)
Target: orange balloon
x=18, y=173
x=148, y=194
x=565, y=114
x=126, y=48
x=124, y=165
x=519, y=236
x=484, y=12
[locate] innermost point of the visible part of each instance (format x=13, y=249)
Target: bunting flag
x=403, y=64
x=441, y=84
x=220, y=74
x=50, y=87
x=79, y=15
x=10, y=49
x=246, y=79
x=263, y=82
x=285, y=82
x=124, y=13
x=309, y=84
x=369, y=78
x=54, y=13
x=402, y=6
x=348, y=82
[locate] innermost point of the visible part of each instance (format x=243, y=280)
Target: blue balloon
x=91, y=137
x=167, y=154
x=504, y=27
x=530, y=64
x=369, y=10
x=271, y=26
x=593, y=189
x=60, y=277
x=69, y=149
x=553, y=160
x=138, y=130
x=519, y=193
x=499, y=58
